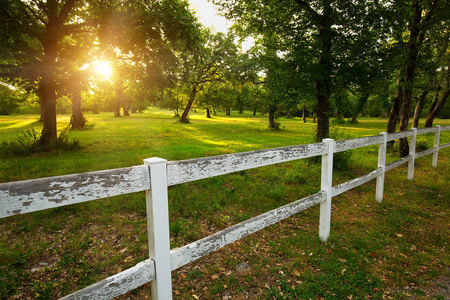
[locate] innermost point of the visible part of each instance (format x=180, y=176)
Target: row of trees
x=328, y=57
x=327, y=49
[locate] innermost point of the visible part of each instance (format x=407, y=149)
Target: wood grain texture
x=398, y=163
x=426, y=152
x=195, y=169
x=118, y=284
x=343, y=145
x=399, y=135
x=26, y=196
x=188, y=253
x=351, y=184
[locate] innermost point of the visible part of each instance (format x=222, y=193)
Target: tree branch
x=304, y=5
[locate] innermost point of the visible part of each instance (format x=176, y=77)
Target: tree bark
x=359, y=107
x=208, y=114
x=417, y=34
x=419, y=106
x=304, y=114
x=47, y=90
x=77, y=120
x=394, y=114
x=434, y=111
x=184, y=116
x=323, y=83
x=272, y=111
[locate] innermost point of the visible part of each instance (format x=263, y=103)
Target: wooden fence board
x=351, y=184
x=426, y=130
x=26, y=196
x=399, y=135
x=398, y=163
x=188, y=253
x=343, y=145
x=444, y=146
x=426, y=152
x=117, y=284
x=195, y=169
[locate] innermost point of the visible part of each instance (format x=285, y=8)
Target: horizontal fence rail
x=156, y=175
x=26, y=196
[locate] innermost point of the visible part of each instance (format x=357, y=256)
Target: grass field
x=394, y=250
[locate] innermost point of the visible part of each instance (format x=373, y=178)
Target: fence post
x=158, y=228
x=412, y=153
x=436, y=145
x=381, y=165
x=327, y=187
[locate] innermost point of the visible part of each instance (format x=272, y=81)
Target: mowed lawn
x=394, y=250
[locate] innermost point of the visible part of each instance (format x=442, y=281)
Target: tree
x=420, y=16
x=36, y=35
x=33, y=34
x=319, y=36
x=210, y=63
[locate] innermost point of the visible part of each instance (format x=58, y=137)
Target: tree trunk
x=47, y=90
x=118, y=100
x=304, y=114
x=359, y=107
x=394, y=115
x=126, y=108
x=434, y=111
x=323, y=83
x=272, y=123
x=417, y=34
x=419, y=106
x=77, y=120
x=184, y=116
x=254, y=111
x=208, y=115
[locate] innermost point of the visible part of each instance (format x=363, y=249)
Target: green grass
x=393, y=249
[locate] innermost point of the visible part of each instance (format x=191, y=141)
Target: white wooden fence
x=156, y=175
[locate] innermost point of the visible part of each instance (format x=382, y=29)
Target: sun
x=103, y=68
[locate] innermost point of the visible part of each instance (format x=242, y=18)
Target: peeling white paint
x=118, y=284
x=195, y=169
x=399, y=135
x=38, y=194
x=188, y=253
x=344, y=145
x=26, y=196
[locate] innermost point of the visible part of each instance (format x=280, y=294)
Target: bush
x=29, y=142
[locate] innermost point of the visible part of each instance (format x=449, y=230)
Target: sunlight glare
x=103, y=68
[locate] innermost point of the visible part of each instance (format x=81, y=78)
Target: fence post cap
x=327, y=140
x=154, y=160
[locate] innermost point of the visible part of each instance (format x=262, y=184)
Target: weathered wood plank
x=444, y=146
x=349, y=144
x=188, y=253
x=426, y=152
x=26, y=196
x=444, y=128
x=426, y=130
x=398, y=163
x=118, y=284
x=399, y=135
x=351, y=184
x=195, y=169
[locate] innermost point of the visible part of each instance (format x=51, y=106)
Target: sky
x=208, y=16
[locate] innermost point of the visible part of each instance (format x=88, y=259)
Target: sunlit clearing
x=103, y=68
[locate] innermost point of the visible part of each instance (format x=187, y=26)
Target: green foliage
x=29, y=142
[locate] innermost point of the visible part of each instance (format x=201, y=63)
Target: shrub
x=29, y=142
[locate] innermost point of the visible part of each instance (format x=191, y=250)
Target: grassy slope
x=394, y=249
